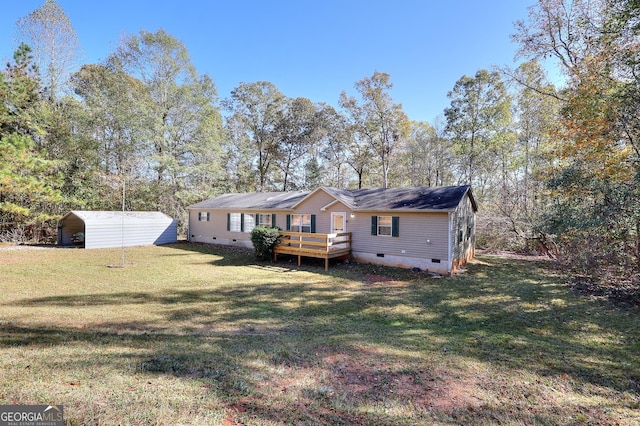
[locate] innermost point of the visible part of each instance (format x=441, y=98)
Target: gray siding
x=314, y=204
x=215, y=230
x=421, y=235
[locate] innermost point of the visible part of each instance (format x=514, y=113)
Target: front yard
x=187, y=334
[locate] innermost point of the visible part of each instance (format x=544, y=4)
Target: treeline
x=544, y=162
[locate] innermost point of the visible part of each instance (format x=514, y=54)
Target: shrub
x=264, y=240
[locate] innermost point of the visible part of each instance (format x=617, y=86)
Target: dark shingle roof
x=444, y=198
x=417, y=198
x=257, y=200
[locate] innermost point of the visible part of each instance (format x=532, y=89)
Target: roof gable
x=345, y=196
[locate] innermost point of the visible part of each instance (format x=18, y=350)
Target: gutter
x=450, y=248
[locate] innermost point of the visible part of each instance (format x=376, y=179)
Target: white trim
x=344, y=225
x=344, y=221
x=390, y=234
x=324, y=209
x=302, y=224
x=270, y=215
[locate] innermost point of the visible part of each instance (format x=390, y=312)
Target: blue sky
x=313, y=49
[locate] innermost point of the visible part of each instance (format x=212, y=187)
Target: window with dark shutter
x=234, y=222
x=303, y=223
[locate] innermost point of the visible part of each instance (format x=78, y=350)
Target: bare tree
x=48, y=31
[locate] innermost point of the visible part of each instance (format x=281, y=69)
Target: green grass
x=187, y=334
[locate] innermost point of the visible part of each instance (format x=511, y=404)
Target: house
x=106, y=229
x=428, y=228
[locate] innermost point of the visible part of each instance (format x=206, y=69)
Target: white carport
x=105, y=229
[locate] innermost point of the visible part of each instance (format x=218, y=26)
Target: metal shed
x=105, y=229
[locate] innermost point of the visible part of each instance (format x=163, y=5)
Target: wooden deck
x=322, y=246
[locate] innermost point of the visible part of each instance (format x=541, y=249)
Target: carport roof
x=104, y=217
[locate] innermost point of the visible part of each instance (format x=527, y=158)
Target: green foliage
x=19, y=92
x=257, y=109
x=478, y=123
x=427, y=157
x=29, y=182
x=596, y=172
x=28, y=189
x=264, y=239
x=378, y=123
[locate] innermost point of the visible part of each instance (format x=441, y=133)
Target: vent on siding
x=380, y=254
x=234, y=240
x=435, y=260
x=215, y=238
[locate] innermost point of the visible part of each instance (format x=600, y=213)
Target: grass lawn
x=188, y=334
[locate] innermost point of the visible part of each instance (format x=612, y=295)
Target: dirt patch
x=382, y=279
x=376, y=380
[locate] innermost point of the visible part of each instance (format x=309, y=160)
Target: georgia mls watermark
x=31, y=415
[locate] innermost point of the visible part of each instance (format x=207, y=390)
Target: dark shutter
x=313, y=223
x=273, y=220
x=208, y=216
x=257, y=222
x=288, y=222
x=228, y=221
x=241, y=222
x=374, y=225
x=395, y=226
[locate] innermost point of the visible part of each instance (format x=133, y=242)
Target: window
x=301, y=222
x=203, y=216
x=266, y=220
x=249, y=221
x=388, y=226
x=234, y=222
x=384, y=225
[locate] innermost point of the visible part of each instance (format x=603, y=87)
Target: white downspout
x=188, y=225
x=450, y=248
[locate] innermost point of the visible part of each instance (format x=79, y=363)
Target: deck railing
x=323, y=246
